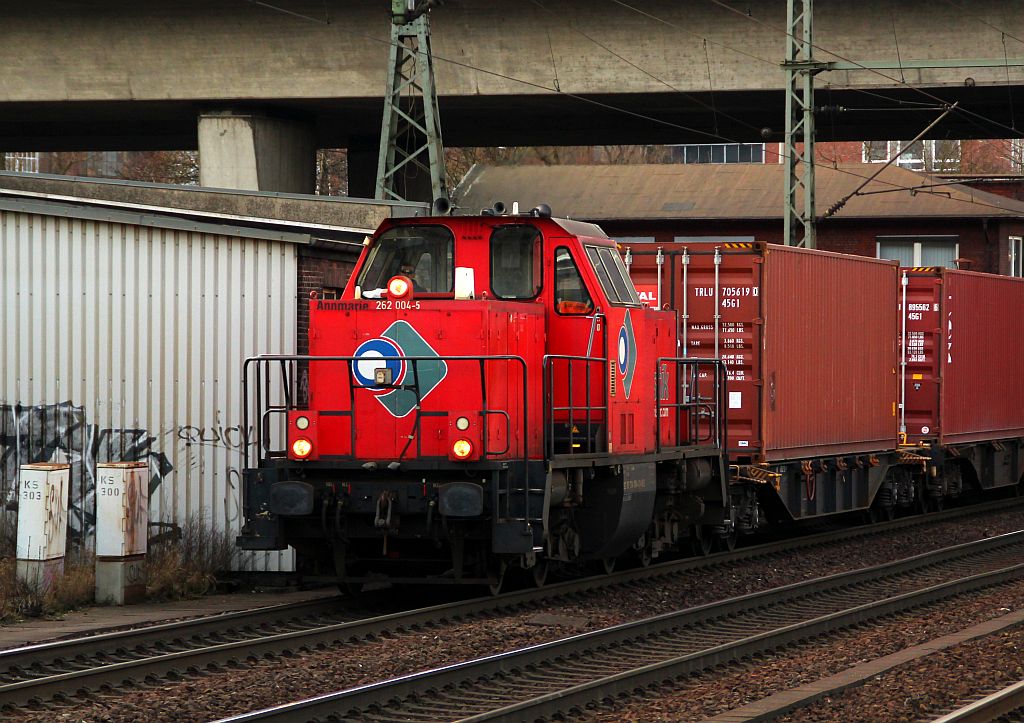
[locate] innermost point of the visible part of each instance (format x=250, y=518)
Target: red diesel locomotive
x=483, y=396
x=490, y=393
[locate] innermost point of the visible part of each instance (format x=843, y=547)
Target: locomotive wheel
x=936, y=504
x=702, y=543
x=539, y=573
x=352, y=589
x=496, y=577
x=645, y=556
x=604, y=566
x=727, y=542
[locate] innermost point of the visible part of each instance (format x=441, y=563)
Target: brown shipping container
x=965, y=356
x=809, y=338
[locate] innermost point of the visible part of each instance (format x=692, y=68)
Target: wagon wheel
x=921, y=503
x=702, y=543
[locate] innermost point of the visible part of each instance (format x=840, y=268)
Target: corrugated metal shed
x=718, y=191
x=122, y=336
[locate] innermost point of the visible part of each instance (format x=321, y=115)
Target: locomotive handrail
x=508, y=435
x=550, y=408
x=690, y=402
x=287, y=361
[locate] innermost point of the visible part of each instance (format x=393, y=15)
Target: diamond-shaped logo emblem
x=407, y=377
x=627, y=354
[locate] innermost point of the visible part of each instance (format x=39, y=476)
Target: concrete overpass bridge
x=272, y=80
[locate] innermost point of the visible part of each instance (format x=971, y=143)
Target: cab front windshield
x=424, y=254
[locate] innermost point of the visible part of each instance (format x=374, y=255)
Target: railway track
x=567, y=675
x=35, y=674
x=1003, y=705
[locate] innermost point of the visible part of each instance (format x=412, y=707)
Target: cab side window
x=515, y=262
x=571, y=296
x=612, y=274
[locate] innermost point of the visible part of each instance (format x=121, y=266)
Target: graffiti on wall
x=62, y=433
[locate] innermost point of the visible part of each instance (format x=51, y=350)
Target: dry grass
x=74, y=589
x=179, y=568
x=188, y=567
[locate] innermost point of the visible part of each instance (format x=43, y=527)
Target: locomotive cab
x=489, y=392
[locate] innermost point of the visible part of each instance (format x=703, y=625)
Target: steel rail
x=38, y=672
x=1003, y=702
x=572, y=672
x=218, y=623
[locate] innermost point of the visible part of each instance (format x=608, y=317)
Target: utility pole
x=800, y=67
x=410, y=166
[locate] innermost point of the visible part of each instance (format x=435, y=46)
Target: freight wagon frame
x=815, y=348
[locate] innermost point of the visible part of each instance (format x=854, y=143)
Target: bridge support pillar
x=253, y=152
x=362, y=167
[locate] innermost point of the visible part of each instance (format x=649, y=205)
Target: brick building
x=915, y=218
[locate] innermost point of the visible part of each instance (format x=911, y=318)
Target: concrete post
x=256, y=153
x=42, y=523
x=122, y=524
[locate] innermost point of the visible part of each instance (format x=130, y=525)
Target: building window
x=1017, y=155
x=719, y=153
x=911, y=155
x=928, y=155
x=21, y=162
x=910, y=251
x=1016, y=256
x=945, y=155
x=875, y=152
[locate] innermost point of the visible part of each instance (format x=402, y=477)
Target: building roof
x=326, y=217
x=721, y=191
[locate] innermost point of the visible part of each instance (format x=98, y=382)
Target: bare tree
x=179, y=167
x=332, y=172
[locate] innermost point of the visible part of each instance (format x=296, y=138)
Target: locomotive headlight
x=302, y=447
x=302, y=422
x=462, y=424
x=399, y=287
x=462, y=448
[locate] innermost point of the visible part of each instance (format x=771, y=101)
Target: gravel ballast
x=716, y=692
x=265, y=682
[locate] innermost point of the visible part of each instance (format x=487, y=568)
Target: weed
x=188, y=566
x=21, y=598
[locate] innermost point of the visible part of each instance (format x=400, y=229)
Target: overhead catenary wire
x=709, y=106
x=982, y=20
x=861, y=66
x=896, y=41
x=608, y=106
x=835, y=207
x=1009, y=87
